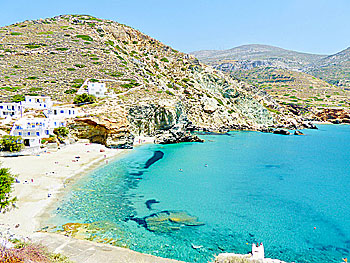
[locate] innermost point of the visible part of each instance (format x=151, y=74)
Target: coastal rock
x=336, y=116
x=281, y=131
x=176, y=136
x=309, y=125
x=298, y=133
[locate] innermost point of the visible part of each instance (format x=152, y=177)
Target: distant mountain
x=260, y=55
x=334, y=69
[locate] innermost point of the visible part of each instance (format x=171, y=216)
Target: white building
x=62, y=112
x=97, y=89
x=258, y=251
x=11, y=109
x=37, y=102
x=32, y=130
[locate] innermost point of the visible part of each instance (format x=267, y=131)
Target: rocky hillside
x=157, y=90
x=334, y=69
x=293, y=87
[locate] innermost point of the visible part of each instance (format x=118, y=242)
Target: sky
x=312, y=26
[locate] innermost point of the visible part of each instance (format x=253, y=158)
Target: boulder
x=281, y=131
x=298, y=133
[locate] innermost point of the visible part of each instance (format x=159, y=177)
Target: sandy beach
x=42, y=177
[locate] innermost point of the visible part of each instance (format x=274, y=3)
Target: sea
x=192, y=201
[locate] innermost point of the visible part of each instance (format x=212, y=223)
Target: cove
x=191, y=201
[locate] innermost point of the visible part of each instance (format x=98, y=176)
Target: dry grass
x=26, y=252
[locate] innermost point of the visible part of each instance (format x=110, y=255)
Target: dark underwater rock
x=157, y=155
x=167, y=221
x=150, y=202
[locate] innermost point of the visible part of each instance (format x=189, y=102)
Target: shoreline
x=51, y=171
x=43, y=178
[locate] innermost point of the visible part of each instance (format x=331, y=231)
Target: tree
x=6, y=182
x=61, y=131
x=11, y=143
x=84, y=99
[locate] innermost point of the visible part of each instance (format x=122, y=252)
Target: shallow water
x=290, y=192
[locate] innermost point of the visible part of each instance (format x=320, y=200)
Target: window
x=62, y=111
x=28, y=133
x=1, y=107
x=55, y=112
x=37, y=133
x=47, y=132
x=19, y=133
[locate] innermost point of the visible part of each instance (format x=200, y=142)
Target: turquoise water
x=290, y=192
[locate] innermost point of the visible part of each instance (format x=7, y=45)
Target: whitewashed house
x=32, y=130
x=62, y=112
x=10, y=109
x=37, y=102
x=97, y=89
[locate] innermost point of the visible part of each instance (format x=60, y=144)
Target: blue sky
x=315, y=26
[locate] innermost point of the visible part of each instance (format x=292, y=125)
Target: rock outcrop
x=335, y=116
x=110, y=134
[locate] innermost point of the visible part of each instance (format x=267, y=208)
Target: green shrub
x=32, y=78
x=219, y=101
x=84, y=99
x=18, y=98
x=32, y=46
x=35, y=89
x=70, y=91
x=79, y=65
x=45, y=33
x=13, y=89
x=11, y=143
x=78, y=81
x=164, y=60
x=16, y=33
x=85, y=37
x=70, y=69
x=6, y=182
x=61, y=49
x=110, y=42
